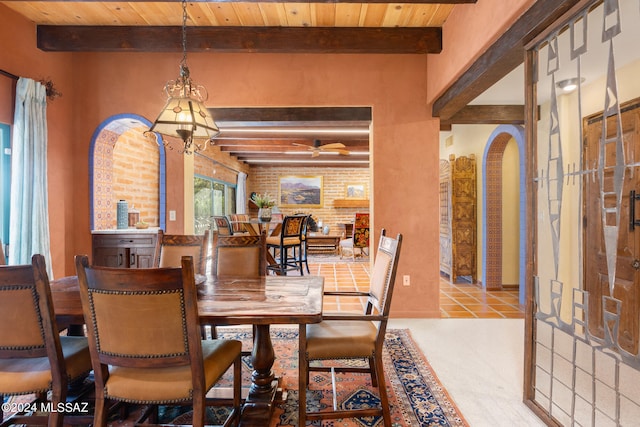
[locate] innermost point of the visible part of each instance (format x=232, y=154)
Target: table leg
x=262, y=358
x=259, y=405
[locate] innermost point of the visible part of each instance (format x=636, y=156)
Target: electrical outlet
x=172, y=215
x=406, y=280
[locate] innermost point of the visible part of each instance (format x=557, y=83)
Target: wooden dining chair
x=359, y=239
x=172, y=247
x=343, y=336
x=222, y=225
x=287, y=245
x=239, y=224
x=144, y=336
x=240, y=256
x=34, y=357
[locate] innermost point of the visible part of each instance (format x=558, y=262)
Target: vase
x=122, y=214
x=264, y=214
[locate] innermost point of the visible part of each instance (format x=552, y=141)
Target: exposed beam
x=271, y=1
x=487, y=115
x=79, y=38
x=292, y=114
x=308, y=164
x=501, y=58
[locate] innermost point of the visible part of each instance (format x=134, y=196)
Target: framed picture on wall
x=300, y=191
x=355, y=191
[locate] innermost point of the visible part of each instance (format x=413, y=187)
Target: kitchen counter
x=127, y=230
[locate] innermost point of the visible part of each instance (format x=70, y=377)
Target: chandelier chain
x=184, y=33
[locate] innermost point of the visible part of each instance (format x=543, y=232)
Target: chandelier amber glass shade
x=184, y=115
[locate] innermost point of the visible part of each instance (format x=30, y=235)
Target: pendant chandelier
x=184, y=115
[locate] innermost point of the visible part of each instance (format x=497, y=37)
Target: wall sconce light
x=569, y=85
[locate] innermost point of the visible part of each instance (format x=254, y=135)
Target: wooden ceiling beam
x=291, y=114
x=274, y=1
x=80, y=38
x=487, y=115
x=500, y=58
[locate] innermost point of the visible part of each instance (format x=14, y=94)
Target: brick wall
x=261, y=180
x=136, y=167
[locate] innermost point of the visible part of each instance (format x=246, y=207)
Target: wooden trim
x=532, y=116
x=500, y=58
x=82, y=38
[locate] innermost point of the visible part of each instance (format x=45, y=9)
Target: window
x=5, y=183
x=211, y=197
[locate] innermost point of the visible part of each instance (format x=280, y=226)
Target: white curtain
x=29, y=223
x=241, y=193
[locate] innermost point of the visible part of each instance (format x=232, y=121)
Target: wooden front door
x=604, y=213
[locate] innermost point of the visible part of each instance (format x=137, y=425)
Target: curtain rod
x=218, y=163
x=8, y=74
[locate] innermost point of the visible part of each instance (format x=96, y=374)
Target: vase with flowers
x=264, y=202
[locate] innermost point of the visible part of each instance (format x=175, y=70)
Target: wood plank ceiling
x=323, y=26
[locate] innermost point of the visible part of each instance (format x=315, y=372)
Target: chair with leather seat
x=173, y=247
x=240, y=256
x=346, y=336
x=287, y=245
x=359, y=239
x=144, y=337
x=34, y=357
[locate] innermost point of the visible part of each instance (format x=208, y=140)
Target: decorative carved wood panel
x=463, y=217
x=445, y=217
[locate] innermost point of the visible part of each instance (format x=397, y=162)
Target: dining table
x=260, y=301
x=255, y=226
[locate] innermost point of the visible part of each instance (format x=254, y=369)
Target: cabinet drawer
x=124, y=241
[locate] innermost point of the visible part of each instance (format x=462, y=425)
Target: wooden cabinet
x=125, y=249
x=458, y=207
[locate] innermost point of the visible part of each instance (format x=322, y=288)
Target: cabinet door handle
x=633, y=198
x=119, y=260
x=133, y=259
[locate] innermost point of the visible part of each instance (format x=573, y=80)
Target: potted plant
x=264, y=202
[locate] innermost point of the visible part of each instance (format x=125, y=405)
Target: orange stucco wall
x=96, y=86
x=468, y=32
x=404, y=193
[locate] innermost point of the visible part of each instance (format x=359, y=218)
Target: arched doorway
x=101, y=168
x=492, y=202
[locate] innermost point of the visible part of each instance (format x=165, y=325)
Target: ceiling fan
x=316, y=149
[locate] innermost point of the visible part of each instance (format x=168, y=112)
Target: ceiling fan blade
x=302, y=145
x=332, y=146
x=343, y=152
x=315, y=153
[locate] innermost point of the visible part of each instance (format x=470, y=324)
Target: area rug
x=334, y=258
x=416, y=396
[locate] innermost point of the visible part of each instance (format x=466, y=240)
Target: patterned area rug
x=334, y=258
x=417, y=398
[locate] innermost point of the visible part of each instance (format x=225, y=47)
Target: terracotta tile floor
x=467, y=300
x=456, y=300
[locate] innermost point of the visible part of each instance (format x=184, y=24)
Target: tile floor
x=458, y=300
x=476, y=347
